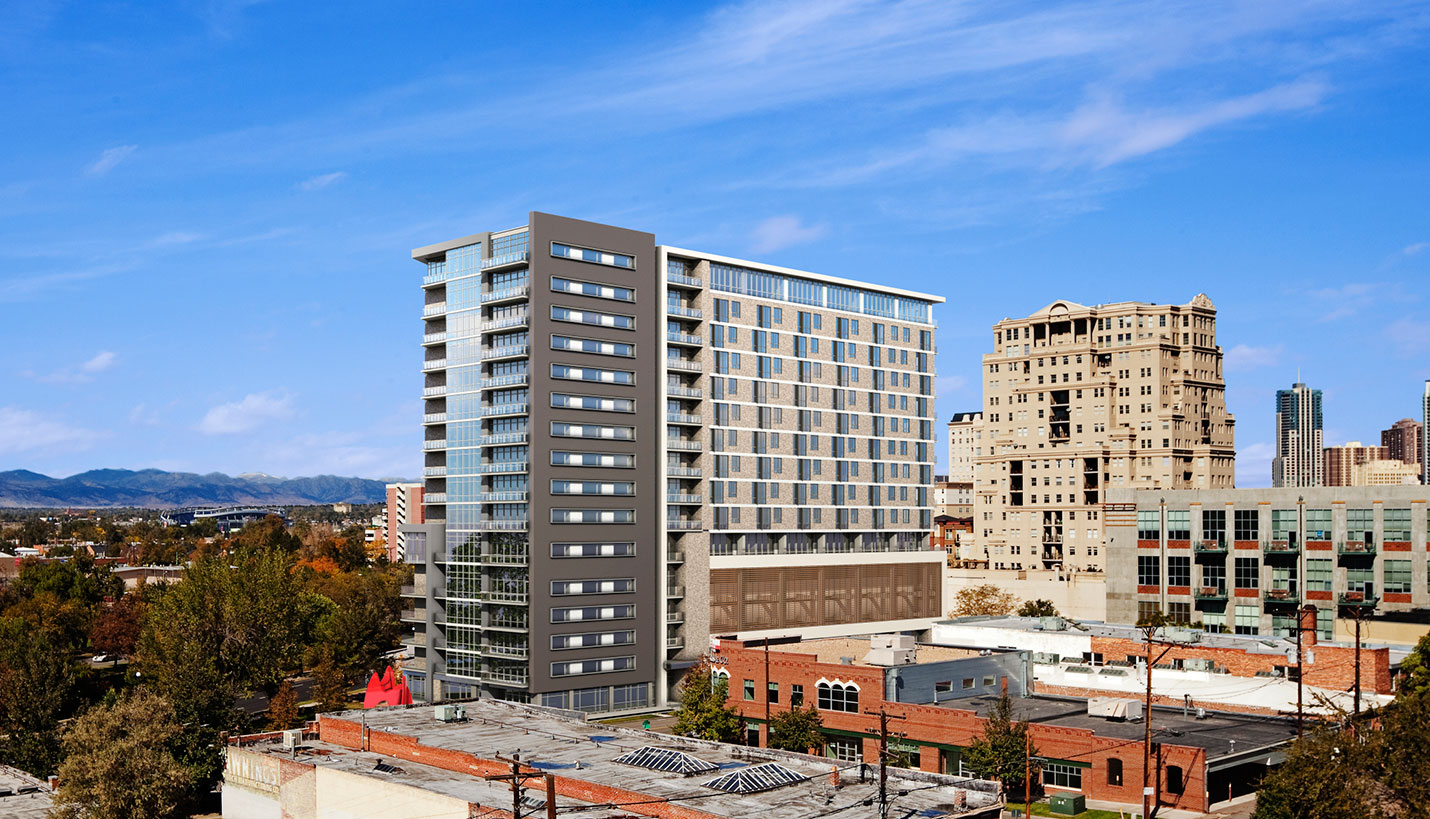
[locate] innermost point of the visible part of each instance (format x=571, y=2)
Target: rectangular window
x=1360, y=525
x=844, y=750
x=1325, y=624
x=1248, y=573
x=1397, y=576
x=1318, y=524
x=593, y=487
x=1214, y=525
x=1179, y=571
x=593, y=346
x=598, y=403
x=579, y=667
x=593, y=516
x=594, y=374
x=1247, y=524
x=609, y=459
x=1319, y=574
x=598, y=319
x=566, y=588
x=1179, y=525
x=586, y=254
x=772, y=693
x=796, y=695
x=576, y=614
x=749, y=690
x=1149, y=524
x=1283, y=524
x=1397, y=524
x=1248, y=619
x=1062, y=775
x=597, y=639
x=1149, y=570
x=599, y=291
x=593, y=549
x=563, y=429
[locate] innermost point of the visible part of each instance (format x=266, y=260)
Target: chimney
x=1308, y=626
x=54, y=783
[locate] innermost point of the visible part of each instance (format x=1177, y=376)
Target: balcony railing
x=519, y=291
x=434, y=392
x=500, y=497
x=435, y=443
x=674, y=554
x=436, y=308
x=675, y=590
x=501, y=467
x=1211, y=547
x=1358, y=599
x=501, y=526
x=506, y=322
x=505, y=596
x=683, y=418
x=683, y=338
x=675, y=642
x=434, y=364
x=1280, y=547
x=433, y=278
x=678, y=310
x=688, y=281
x=1286, y=597
x=435, y=472
x=681, y=525
x=506, y=259
x=502, y=439
x=504, y=351
x=682, y=444
x=434, y=338
x=434, y=497
x=683, y=471
x=1210, y=593
x=683, y=392
x=513, y=408
x=683, y=364
x=435, y=418
x=509, y=380
x=1355, y=548
x=682, y=497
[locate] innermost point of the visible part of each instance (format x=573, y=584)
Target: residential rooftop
x=565, y=744
x=834, y=650
x=23, y=796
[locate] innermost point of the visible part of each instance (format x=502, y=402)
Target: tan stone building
x=1079, y=400
x=1341, y=461
x=1389, y=472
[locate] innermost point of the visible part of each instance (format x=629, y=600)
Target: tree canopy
x=986, y=599
x=1038, y=608
x=120, y=763
x=703, y=712
x=797, y=729
x=1002, y=750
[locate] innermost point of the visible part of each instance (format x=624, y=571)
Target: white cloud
x=144, y=415
x=1244, y=357
x=81, y=374
x=1346, y=300
x=342, y=453
x=102, y=361
x=23, y=430
x=317, y=183
x=1253, y=465
x=247, y=415
x=109, y=159
x=1415, y=249
x=174, y=237
x=778, y=232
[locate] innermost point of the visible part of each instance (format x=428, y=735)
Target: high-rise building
x=1078, y=399
x=1298, y=461
x=1340, y=462
x=1404, y=442
x=965, y=438
x=631, y=448
x=404, y=507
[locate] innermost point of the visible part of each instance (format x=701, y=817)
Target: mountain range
x=155, y=488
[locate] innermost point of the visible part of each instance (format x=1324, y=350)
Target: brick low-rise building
x=941, y=696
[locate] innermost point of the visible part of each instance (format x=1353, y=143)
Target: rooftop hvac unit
x=1114, y=708
x=1201, y=713
x=450, y=713
x=1197, y=664
x=292, y=739
x=898, y=642
x=1052, y=624
x=1181, y=635
x=1045, y=658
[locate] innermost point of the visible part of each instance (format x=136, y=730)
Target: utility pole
x=767, y=692
x=1027, y=769
x=884, y=717
x=1147, y=789
x=517, y=780
x=1357, y=694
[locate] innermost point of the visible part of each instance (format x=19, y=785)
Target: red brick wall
x=951, y=726
x=1325, y=666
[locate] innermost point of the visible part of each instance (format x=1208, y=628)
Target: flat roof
x=1220, y=734
x=573, y=748
x=803, y=274
x=833, y=650
x=34, y=805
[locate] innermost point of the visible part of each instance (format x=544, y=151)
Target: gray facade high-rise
x=1299, y=460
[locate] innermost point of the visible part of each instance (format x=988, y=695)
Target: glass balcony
x=435, y=472
x=498, y=381
x=683, y=364
x=683, y=338
x=506, y=322
x=686, y=281
x=678, y=310
x=436, y=308
x=683, y=392
x=683, y=471
x=502, y=439
x=500, y=497
x=501, y=467
x=680, y=497
x=434, y=338
x=435, y=418
x=434, y=364
x=506, y=260
x=434, y=497
x=434, y=392
x=435, y=443
x=683, y=418
x=683, y=444
x=500, y=526
x=675, y=590
x=504, y=351
x=514, y=408
x=512, y=293
x=682, y=525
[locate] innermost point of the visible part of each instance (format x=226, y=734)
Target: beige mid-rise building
x=1341, y=461
x=1389, y=472
x=1078, y=400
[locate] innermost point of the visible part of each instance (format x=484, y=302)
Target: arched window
x=838, y=696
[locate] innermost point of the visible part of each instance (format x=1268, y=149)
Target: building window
x=593, y=549
x=1179, y=525
x=796, y=695
x=564, y=588
x=838, y=697
x=1283, y=524
x=575, y=614
x=1248, y=620
x=561, y=400
x=593, y=317
x=1319, y=574
x=1149, y=570
x=636, y=695
x=772, y=693
x=1397, y=525
x=1062, y=775
x=599, y=291
x=1360, y=525
x=844, y=750
x=1247, y=525
x=750, y=690
x=562, y=429
x=1147, y=611
x=578, y=667
x=1114, y=772
x=586, y=254
x=594, y=346
x=1179, y=613
x=561, y=642
x=1325, y=624
x=1179, y=571
x=1214, y=525
x=1149, y=524
x=1318, y=524
x=608, y=459
x=592, y=374
x=593, y=516
x=1397, y=575
x=1247, y=573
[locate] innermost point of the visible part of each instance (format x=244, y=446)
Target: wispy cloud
x=317, y=183
x=1246, y=357
x=1253, y=464
x=255, y=410
x=1332, y=303
x=82, y=373
x=109, y=159
x=23, y=430
x=174, y=237
x=779, y=232
x=1415, y=249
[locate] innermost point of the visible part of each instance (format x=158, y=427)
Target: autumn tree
x=703, y=712
x=797, y=729
x=1002, y=751
x=986, y=599
x=283, y=708
x=363, y=623
x=121, y=763
x=331, y=683
x=1037, y=608
x=116, y=628
x=37, y=688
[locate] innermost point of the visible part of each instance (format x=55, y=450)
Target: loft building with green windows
x=631, y=448
x=1246, y=560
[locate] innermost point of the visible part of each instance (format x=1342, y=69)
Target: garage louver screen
x=755, y=778
x=664, y=759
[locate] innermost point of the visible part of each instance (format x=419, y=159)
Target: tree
x=796, y=730
x=37, y=689
x=1415, y=670
x=115, y=630
x=703, y=712
x=1002, y=751
x=283, y=708
x=986, y=599
x=330, y=683
x=1323, y=777
x=1038, y=608
x=120, y=763
x=362, y=624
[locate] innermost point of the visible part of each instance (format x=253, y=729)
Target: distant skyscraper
x=1299, y=460
x=1424, y=438
x=1403, y=443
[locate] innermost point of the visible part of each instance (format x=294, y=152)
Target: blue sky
x=206, y=208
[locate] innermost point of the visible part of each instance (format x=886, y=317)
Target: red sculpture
x=387, y=690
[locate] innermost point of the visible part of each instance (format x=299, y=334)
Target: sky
x=207, y=207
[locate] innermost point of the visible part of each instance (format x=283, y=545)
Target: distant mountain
x=155, y=488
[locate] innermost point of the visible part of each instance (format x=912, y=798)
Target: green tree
x=120, y=763
x=797, y=729
x=1038, y=608
x=283, y=708
x=1415, y=670
x=703, y=712
x=331, y=683
x=37, y=688
x=986, y=599
x=1003, y=749
x=1324, y=777
x=363, y=623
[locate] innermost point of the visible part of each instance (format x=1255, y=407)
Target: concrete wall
x=1079, y=595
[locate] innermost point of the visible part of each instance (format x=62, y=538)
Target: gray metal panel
x=916, y=683
x=422, y=253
